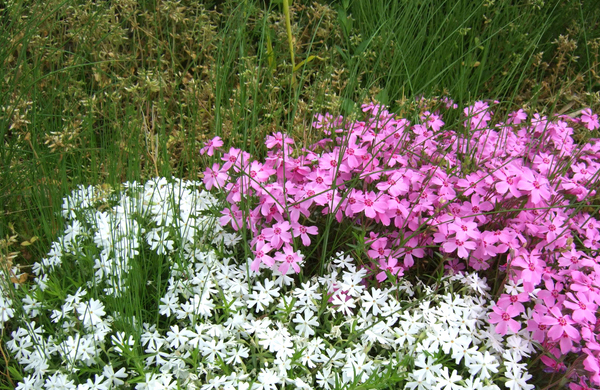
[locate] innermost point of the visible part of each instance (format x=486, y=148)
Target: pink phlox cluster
x=498, y=197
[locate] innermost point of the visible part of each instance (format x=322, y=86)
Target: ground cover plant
x=220, y=235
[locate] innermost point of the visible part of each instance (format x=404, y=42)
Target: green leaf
x=383, y=97
x=306, y=61
x=270, y=54
x=341, y=52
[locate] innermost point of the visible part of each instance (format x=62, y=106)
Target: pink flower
x=215, y=177
x=584, y=308
x=321, y=179
x=536, y=185
x=410, y=251
x=514, y=300
x=372, y=205
x=235, y=158
x=504, y=319
x=261, y=256
x=288, y=258
x=303, y=232
x=232, y=215
x=278, y=139
x=389, y=265
x=517, y=117
x=278, y=234
x=463, y=247
x=535, y=326
x=353, y=153
x=394, y=185
x=507, y=182
x=590, y=120
x=552, y=293
x=475, y=207
x=560, y=324
x=464, y=229
x=297, y=207
x=533, y=268
x=485, y=247
x=210, y=146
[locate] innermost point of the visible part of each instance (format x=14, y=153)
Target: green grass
x=107, y=92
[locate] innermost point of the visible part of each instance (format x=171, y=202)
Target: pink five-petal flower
x=533, y=268
x=232, y=215
x=410, y=251
x=476, y=207
x=535, y=325
x=210, y=146
x=394, y=185
x=215, y=177
x=389, y=265
x=278, y=234
x=592, y=364
x=278, y=139
x=303, y=232
x=353, y=153
x=517, y=117
x=504, y=319
x=590, y=120
x=515, y=300
x=584, y=308
x=559, y=325
x=463, y=247
x=235, y=158
x=372, y=205
x=582, y=385
x=378, y=249
x=486, y=247
x=552, y=293
x=288, y=258
x=464, y=229
x=298, y=206
x=261, y=256
x=508, y=181
x=537, y=186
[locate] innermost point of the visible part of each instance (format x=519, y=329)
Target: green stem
x=288, y=27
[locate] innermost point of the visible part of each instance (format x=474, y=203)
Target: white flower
x=358, y=366
x=517, y=380
x=262, y=296
x=237, y=355
x=344, y=305
x=307, y=294
x=267, y=380
x=405, y=333
x=30, y=382
x=305, y=323
x=212, y=349
x=428, y=369
x=352, y=282
x=373, y=301
x=473, y=384
x=6, y=311
x=121, y=342
x=325, y=378
x=483, y=364
x=59, y=381
x=170, y=304
x=446, y=381
x=98, y=383
x=177, y=338
x=519, y=346
x=91, y=313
